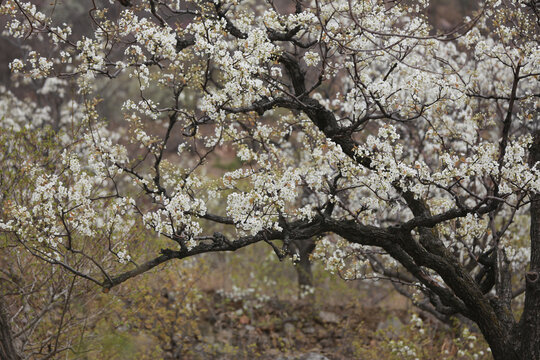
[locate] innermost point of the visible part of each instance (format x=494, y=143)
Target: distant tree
x=406, y=153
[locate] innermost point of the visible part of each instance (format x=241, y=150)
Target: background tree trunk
x=303, y=267
x=7, y=348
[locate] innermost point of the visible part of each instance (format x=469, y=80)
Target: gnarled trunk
x=530, y=320
x=523, y=342
x=505, y=346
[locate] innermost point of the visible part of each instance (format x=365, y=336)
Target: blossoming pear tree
x=406, y=153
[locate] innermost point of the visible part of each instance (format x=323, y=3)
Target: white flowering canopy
x=404, y=151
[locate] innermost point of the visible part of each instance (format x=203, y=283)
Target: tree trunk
x=524, y=341
x=506, y=347
x=7, y=349
x=530, y=320
x=303, y=267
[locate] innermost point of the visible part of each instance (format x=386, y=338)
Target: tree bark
x=7, y=348
x=303, y=267
x=530, y=320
